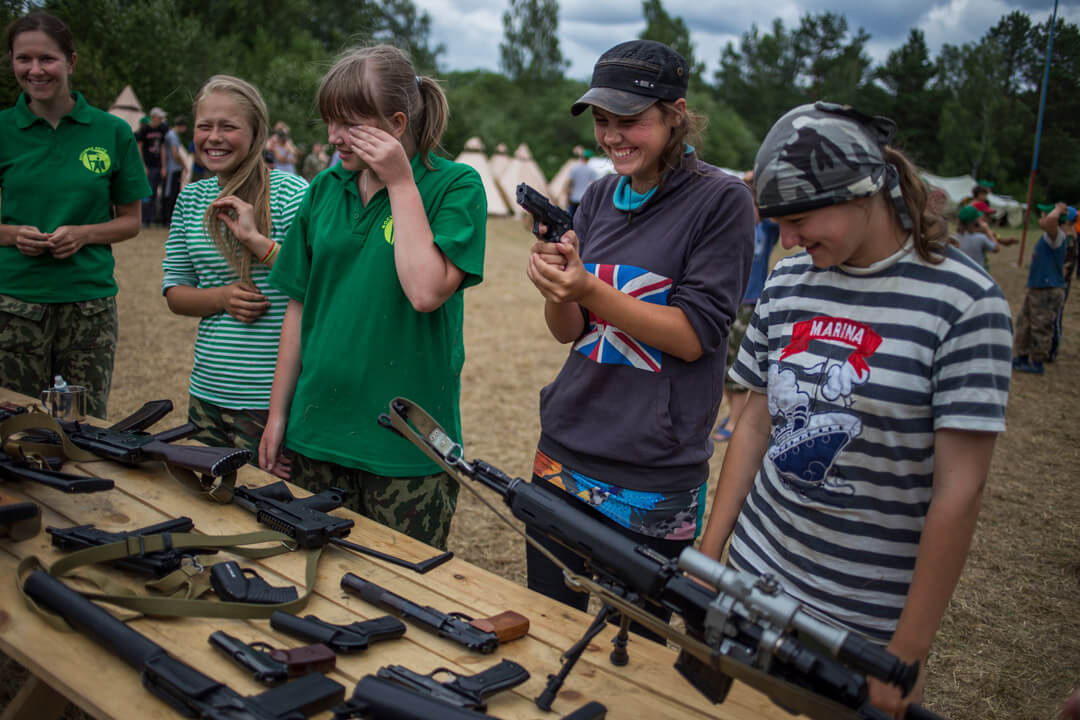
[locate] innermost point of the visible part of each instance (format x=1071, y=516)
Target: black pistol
x=558, y=221
x=343, y=639
x=236, y=584
x=464, y=691
x=273, y=666
x=453, y=626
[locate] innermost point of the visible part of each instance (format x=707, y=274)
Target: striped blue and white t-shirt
x=234, y=361
x=861, y=367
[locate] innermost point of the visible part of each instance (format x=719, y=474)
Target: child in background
x=225, y=236
x=971, y=237
x=1046, y=289
x=384, y=244
x=876, y=364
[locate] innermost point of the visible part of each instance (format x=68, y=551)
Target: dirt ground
x=1009, y=646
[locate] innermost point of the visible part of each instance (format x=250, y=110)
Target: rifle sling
x=33, y=453
x=190, y=581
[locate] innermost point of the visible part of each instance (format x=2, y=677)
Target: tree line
x=971, y=109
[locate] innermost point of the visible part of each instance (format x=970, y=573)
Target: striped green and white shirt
x=234, y=361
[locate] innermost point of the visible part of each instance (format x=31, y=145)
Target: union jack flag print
x=605, y=343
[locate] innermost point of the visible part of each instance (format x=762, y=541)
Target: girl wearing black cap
x=644, y=289
x=878, y=365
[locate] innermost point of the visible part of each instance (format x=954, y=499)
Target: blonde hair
x=929, y=231
x=250, y=181
x=380, y=81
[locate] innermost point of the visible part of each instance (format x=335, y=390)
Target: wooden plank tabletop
x=104, y=686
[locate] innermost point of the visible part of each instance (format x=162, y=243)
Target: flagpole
x=1038, y=136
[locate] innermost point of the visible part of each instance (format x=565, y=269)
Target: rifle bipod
x=618, y=656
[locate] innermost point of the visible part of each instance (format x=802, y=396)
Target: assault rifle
x=306, y=520
x=750, y=630
x=183, y=687
x=44, y=471
x=126, y=442
x=158, y=564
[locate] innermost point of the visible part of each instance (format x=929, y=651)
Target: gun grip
x=506, y=626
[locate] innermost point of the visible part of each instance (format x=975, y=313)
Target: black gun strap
x=176, y=582
x=419, y=428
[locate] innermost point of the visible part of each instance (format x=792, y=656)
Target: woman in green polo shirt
x=375, y=265
x=72, y=183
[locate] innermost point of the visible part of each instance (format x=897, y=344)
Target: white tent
x=499, y=161
x=473, y=155
x=959, y=187
x=522, y=169
x=128, y=107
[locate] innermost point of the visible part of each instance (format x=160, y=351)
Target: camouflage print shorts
x=224, y=427
x=76, y=340
x=421, y=507
x=1035, y=324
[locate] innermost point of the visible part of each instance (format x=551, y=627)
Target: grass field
x=1009, y=646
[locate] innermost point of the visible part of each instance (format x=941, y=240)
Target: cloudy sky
x=471, y=30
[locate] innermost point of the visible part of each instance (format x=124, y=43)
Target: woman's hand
x=557, y=271
x=239, y=217
x=382, y=152
x=243, y=301
x=67, y=240
x=30, y=241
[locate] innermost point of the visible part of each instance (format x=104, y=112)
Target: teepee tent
x=499, y=161
x=959, y=187
x=473, y=155
x=127, y=106
x=522, y=169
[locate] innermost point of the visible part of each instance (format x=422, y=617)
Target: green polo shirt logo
x=96, y=160
x=388, y=229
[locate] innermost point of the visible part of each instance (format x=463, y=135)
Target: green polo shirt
x=361, y=341
x=70, y=175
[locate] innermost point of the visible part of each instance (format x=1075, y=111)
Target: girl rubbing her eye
x=877, y=362
x=643, y=289
x=64, y=167
x=225, y=236
x=384, y=245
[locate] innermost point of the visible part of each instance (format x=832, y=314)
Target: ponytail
x=429, y=122
x=929, y=229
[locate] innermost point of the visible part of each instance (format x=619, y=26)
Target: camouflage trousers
x=224, y=427
x=421, y=507
x=76, y=340
x=1035, y=324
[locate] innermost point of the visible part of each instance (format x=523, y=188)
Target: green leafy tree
x=835, y=64
x=671, y=31
x=913, y=100
x=529, y=52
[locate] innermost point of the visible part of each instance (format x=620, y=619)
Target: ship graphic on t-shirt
x=805, y=444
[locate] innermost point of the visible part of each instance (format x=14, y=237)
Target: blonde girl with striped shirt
x=225, y=237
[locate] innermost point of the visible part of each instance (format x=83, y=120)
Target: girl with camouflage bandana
x=878, y=365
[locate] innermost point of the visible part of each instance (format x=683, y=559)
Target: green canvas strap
x=184, y=586
x=32, y=452
x=219, y=489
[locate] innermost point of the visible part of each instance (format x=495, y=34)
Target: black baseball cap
x=632, y=76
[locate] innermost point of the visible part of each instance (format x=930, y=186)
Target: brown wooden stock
x=507, y=625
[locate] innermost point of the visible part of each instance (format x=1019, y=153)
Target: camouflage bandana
x=825, y=154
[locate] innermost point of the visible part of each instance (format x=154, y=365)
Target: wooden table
x=69, y=666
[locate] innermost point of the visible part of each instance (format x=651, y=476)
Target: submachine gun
x=748, y=629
